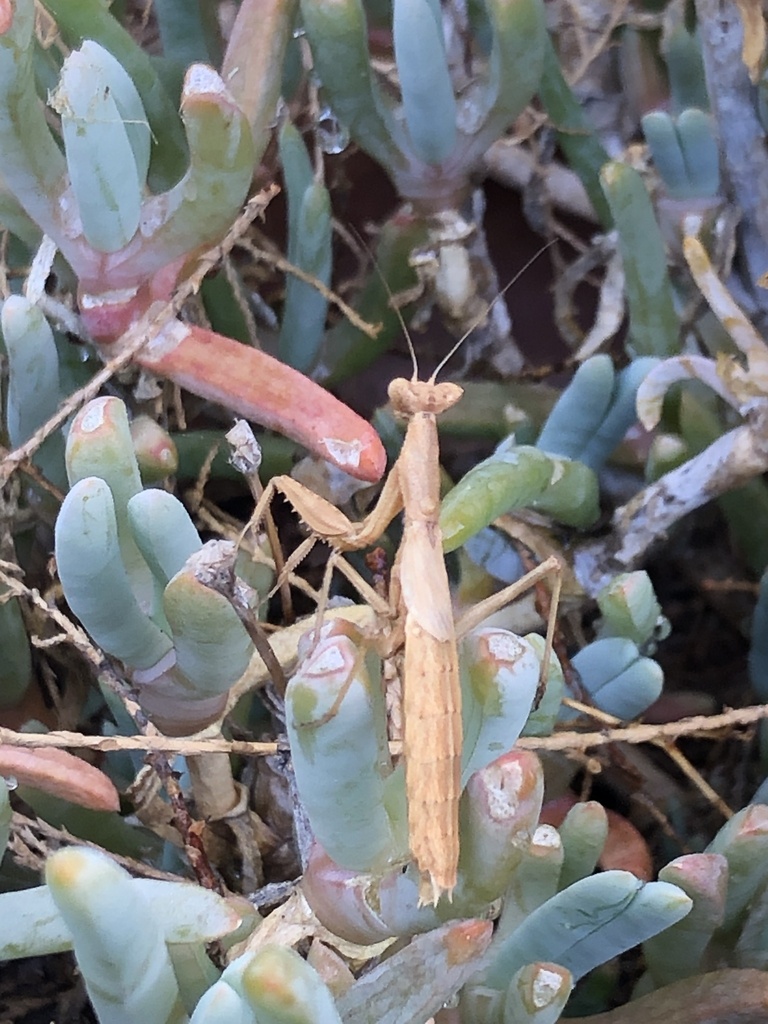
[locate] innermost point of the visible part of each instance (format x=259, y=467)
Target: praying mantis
x=420, y=603
x=420, y=606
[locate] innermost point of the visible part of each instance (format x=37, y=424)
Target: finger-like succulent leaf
x=31, y=924
x=534, y=881
x=79, y=20
x=32, y=166
x=499, y=812
x=517, y=56
x=117, y=939
x=429, y=103
x=222, y=1005
x=588, y=923
x=34, y=391
x=94, y=579
x=743, y=841
x=583, y=834
x=653, y=323
x=212, y=646
x=337, y=32
x=99, y=444
x=617, y=678
x=500, y=673
x=677, y=952
x=309, y=247
x=629, y=607
x=580, y=409
x=281, y=987
x=537, y=994
x=518, y=477
x=163, y=530
x=335, y=722
x=106, y=170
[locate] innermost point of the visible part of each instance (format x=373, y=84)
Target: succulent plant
x=123, y=555
x=430, y=138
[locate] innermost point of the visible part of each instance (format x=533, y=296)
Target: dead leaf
x=753, y=47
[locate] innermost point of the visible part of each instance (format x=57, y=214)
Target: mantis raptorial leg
x=421, y=602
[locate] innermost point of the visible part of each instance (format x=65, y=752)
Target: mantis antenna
x=481, y=317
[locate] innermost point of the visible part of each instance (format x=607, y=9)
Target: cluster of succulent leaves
x=128, y=193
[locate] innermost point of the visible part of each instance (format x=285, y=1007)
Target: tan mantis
x=420, y=603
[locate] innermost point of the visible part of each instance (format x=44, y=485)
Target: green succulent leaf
x=281, y=988
x=653, y=322
x=163, y=530
x=117, y=939
x=95, y=581
x=588, y=923
x=518, y=476
x=80, y=20
x=212, y=647
x=337, y=32
x=429, y=103
x=335, y=723
x=618, y=680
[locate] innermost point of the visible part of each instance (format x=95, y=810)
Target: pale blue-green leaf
x=654, y=327
x=617, y=679
x=303, y=325
x=537, y=994
x=127, y=100
x=335, y=724
x=34, y=391
x=743, y=841
x=751, y=949
x=580, y=410
x=92, y=19
x=629, y=607
x=281, y=987
x=583, y=834
x=31, y=925
x=32, y=167
x=222, y=1005
x=425, y=81
x=621, y=415
x=117, y=938
x=677, y=952
x=534, y=881
x=664, y=143
x=541, y=721
x=297, y=178
x=199, y=209
x=587, y=924
x=495, y=553
x=100, y=160
x=94, y=579
x=500, y=673
x=99, y=443
x=163, y=531
x=212, y=647
x=338, y=36
x=517, y=57
x=696, y=130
